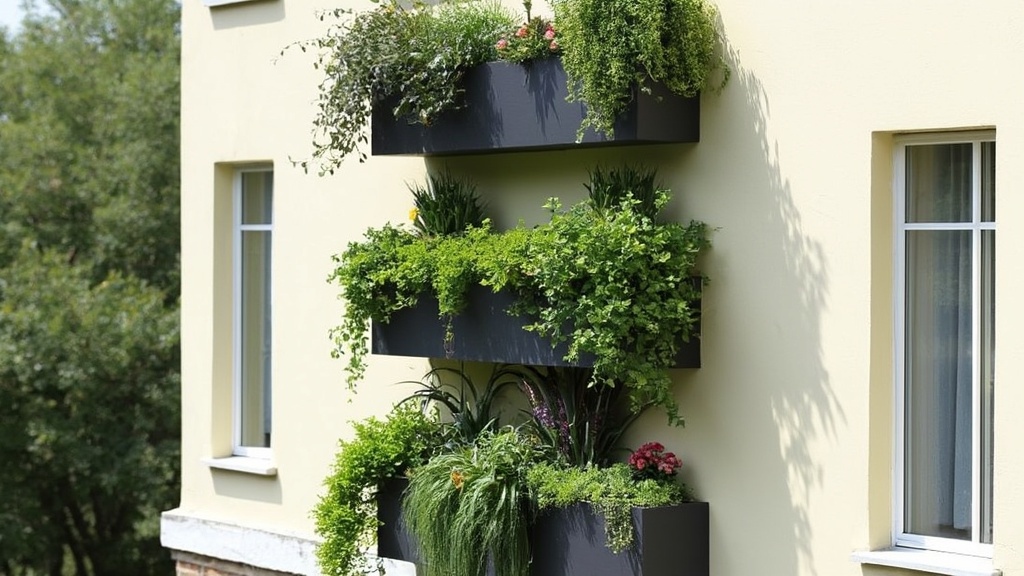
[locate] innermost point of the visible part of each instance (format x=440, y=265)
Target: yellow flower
x=458, y=479
x=413, y=214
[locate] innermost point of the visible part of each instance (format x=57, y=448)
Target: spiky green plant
x=581, y=423
x=610, y=187
x=470, y=407
x=470, y=505
x=446, y=206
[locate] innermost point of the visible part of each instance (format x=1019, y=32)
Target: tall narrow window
x=254, y=209
x=945, y=199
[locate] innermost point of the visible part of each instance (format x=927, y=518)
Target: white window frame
x=901, y=538
x=238, y=449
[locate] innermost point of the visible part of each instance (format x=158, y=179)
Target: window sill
x=929, y=561
x=257, y=466
x=212, y=3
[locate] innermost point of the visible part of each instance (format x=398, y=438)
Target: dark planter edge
x=522, y=107
x=485, y=332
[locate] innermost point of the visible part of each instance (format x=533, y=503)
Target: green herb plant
x=345, y=515
x=609, y=187
x=409, y=58
x=469, y=505
x=612, y=492
x=610, y=47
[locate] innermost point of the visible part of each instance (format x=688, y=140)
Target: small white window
x=945, y=345
x=253, y=225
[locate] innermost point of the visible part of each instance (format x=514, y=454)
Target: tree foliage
x=89, y=414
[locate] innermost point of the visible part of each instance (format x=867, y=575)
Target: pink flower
x=522, y=32
x=553, y=46
x=549, y=34
x=502, y=44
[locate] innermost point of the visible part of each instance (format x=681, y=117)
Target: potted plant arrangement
x=521, y=498
x=461, y=77
x=605, y=280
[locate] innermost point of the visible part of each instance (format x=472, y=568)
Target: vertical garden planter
x=670, y=541
x=514, y=107
x=483, y=332
x=393, y=540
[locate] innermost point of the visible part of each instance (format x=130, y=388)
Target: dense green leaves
x=89, y=415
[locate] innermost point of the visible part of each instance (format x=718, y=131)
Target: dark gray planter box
x=393, y=540
x=670, y=541
x=513, y=107
x=483, y=332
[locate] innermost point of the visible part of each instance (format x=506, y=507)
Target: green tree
x=89, y=282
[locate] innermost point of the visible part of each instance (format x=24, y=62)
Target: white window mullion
x=976, y=336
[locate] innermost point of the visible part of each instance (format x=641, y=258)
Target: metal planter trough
x=514, y=107
x=483, y=332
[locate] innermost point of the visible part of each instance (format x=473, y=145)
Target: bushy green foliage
x=612, y=283
x=611, y=47
x=393, y=267
x=612, y=491
x=469, y=505
x=414, y=54
x=346, y=515
x=89, y=283
x=446, y=206
x=617, y=285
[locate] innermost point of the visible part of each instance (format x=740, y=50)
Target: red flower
x=502, y=44
x=522, y=32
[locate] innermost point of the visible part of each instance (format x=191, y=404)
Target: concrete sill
x=257, y=466
x=929, y=561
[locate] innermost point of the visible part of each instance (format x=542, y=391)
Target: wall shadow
x=244, y=486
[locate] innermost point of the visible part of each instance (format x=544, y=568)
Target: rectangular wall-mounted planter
x=571, y=541
x=670, y=541
x=393, y=540
x=513, y=107
x=483, y=332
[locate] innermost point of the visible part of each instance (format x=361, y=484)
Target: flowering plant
x=534, y=39
x=650, y=461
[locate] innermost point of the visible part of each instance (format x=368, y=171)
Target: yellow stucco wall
x=788, y=429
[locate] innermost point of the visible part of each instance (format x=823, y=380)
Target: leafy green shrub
x=416, y=55
x=612, y=491
x=346, y=514
x=468, y=505
x=622, y=284
x=611, y=46
x=612, y=283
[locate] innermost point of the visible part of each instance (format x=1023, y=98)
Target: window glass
x=939, y=183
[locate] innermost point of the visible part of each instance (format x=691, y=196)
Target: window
x=945, y=319
x=253, y=224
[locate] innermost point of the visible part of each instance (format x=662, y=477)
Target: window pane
x=988, y=181
x=257, y=197
x=939, y=183
x=255, y=334
x=988, y=339
x=938, y=384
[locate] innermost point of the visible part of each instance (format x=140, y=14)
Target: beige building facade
x=813, y=167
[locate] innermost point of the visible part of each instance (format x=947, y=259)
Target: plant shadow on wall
x=773, y=293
